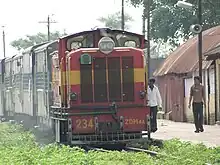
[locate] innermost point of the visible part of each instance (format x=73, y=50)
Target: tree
x=170, y=23
x=114, y=20
x=30, y=40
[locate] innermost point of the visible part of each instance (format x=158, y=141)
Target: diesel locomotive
x=88, y=87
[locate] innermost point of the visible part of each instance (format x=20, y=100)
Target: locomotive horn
x=196, y=28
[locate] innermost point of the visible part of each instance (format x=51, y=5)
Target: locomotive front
x=106, y=89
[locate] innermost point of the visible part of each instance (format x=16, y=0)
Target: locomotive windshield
x=82, y=41
x=121, y=39
x=124, y=40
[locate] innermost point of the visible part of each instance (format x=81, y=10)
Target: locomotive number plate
x=134, y=121
x=84, y=123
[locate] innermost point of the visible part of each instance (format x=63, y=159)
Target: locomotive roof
x=31, y=48
x=45, y=46
x=99, y=29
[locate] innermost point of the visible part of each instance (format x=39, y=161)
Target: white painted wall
x=212, y=81
x=190, y=81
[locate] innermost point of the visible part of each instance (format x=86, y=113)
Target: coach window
x=26, y=63
x=40, y=62
x=17, y=65
x=7, y=68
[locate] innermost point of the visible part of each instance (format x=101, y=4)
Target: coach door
x=17, y=84
x=40, y=86
x=1, y=88
x=9, y=108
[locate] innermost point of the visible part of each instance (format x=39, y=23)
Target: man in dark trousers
x=154, y=102
x=197, y=95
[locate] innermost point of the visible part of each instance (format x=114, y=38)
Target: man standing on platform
x=197, y=95
x=154, y=102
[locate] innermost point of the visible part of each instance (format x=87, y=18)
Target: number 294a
x=134, y=121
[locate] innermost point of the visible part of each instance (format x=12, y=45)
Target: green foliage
x=171, y=23
x=30, y=40
x=12, y=135
x=114, y=20
x=186, y=153
x=18, y=147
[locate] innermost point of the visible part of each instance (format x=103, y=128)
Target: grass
x=19, y=147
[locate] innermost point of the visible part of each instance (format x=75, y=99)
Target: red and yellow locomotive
x=99, y=82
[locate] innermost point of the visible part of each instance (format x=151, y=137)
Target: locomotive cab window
x=130, y=44
x=128, y=40
x=123, y=39
x=75, y=45
x=82, y=41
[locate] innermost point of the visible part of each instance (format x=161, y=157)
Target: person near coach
x=154, y=102
x=197, y=99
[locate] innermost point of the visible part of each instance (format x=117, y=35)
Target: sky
x=22, y=17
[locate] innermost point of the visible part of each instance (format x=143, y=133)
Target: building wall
x=175, y=92
x=172, y=92
x=218, y=87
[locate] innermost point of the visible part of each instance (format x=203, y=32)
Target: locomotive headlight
x=106, y=45
x=73, y=96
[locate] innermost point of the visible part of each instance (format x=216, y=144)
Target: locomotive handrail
x=83, y=113
x=114, y=107
x=88, y=107
x=64, y=111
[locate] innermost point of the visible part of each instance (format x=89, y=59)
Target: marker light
x=73, y=96
x=85, y=59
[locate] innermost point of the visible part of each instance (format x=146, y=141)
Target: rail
x=152, y=153
x=132, y=149
x=128, y=149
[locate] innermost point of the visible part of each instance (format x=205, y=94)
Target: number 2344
x=84, y=123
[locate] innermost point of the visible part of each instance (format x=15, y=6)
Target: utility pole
x=3, y=38
x=144, y=20
x=122, y=16
x=200, y=38
x=148, y=35
x=187, y=5
x=146, y=15
x=48, y=22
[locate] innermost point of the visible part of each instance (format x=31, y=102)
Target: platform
x=185, y=131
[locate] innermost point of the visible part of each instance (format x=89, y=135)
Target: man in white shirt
x=154, y=102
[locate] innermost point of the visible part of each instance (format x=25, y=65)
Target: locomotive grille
x=86, y=83
x=108, y=79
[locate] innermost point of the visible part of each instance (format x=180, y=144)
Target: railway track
x=132, y=149
x=127, y=149
x=87, y=148
x=152, y=153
